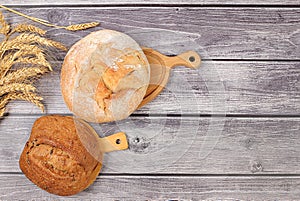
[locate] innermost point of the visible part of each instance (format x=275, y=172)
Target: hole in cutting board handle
x=192, y=58
x=114, y=142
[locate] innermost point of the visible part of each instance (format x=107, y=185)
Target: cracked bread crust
x=55, y=159
x=104, y=77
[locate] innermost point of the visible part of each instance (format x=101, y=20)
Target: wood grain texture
x=148, y=2
x=187, y=145
x=173, y=157
x=163, y=188
x=217, y=33
x=258, y=88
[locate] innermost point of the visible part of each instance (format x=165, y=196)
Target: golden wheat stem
x=23, y=15
x=75, y=27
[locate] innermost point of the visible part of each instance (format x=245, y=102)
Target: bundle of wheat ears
x=23, y=45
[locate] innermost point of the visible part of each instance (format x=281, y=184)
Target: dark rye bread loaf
x=55, y=159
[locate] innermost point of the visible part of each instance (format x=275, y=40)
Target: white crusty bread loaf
x=104, y=76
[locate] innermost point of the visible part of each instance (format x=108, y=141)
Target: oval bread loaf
x=56, y=159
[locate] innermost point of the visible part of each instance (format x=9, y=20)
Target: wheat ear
x=23, y=50
x=18, y=45
x=16, y=87
x=27, y=28
x=35, y=62
x=30, y=97
x=77, y=27
x=22, y=74
x=32, y=38
x=5, y=28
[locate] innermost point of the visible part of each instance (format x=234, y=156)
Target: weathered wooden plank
x=192, y=145
x=233, y=87
x=243, y=87
x=163, y=188
x=217, y=33
x=148, y=2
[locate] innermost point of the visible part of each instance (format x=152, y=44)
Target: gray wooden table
x=227, y=131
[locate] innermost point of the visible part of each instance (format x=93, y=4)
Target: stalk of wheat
x=73, y=27
x=27, y=49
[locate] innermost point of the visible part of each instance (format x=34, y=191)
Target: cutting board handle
x=189, y=59
x=113, y=142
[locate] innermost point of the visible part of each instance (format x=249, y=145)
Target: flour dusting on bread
x=109, y=76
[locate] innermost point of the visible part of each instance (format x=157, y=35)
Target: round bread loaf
x=104, y=76
x=55, y=158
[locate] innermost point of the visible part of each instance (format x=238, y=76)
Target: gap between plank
x=253, y=60
x=157, y=5
x=173, y=115
x=178, y=175
x=237, y=60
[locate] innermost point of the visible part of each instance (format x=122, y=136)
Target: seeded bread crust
x=55, y=159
